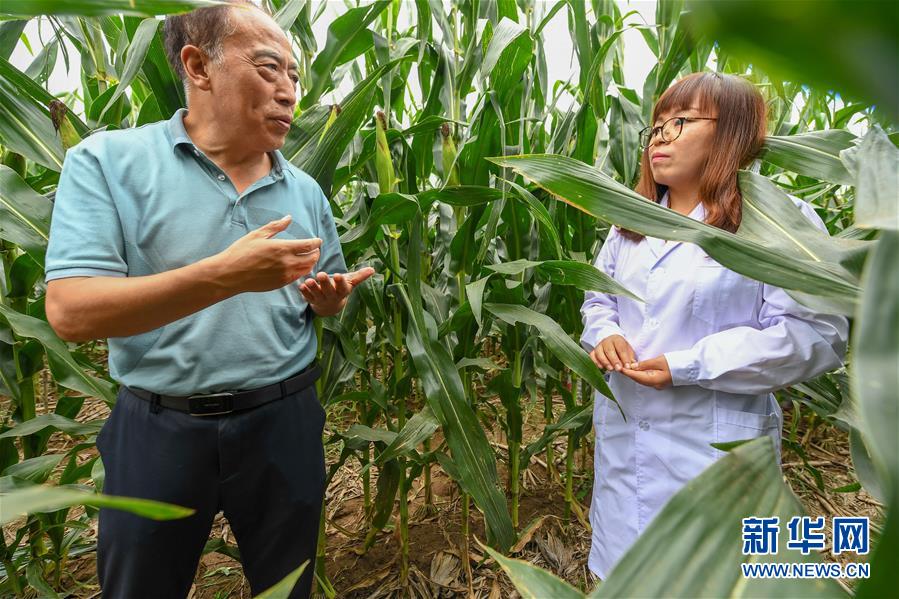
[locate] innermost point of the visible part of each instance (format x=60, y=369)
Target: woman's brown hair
x=739, y=134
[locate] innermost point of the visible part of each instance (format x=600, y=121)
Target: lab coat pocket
x=733, y=425
x=723, y=298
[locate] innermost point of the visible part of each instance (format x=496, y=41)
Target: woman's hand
x=651, y=373
x=614, y=353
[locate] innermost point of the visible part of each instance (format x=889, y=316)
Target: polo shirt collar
x=178, y=136
x=279, y=164
x=177, y=133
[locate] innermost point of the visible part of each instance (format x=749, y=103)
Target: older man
x=182, y=242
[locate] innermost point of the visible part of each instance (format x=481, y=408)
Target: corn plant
x=480, y=190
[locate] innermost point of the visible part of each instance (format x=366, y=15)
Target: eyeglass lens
x=670, y=130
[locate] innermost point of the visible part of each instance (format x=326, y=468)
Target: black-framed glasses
x=669, y=130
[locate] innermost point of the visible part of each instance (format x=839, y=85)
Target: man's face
x=254, y=86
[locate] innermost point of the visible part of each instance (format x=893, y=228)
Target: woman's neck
x=684, y=198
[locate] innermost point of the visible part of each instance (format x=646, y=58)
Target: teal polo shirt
x=147, y=200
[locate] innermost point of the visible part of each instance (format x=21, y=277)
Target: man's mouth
x=283, y=122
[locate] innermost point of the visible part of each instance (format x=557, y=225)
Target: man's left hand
x=651, y=373
x=327, y=295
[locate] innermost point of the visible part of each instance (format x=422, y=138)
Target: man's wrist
x=328, y=309
x=213, y=275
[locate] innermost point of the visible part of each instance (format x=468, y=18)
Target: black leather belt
x=215, y=404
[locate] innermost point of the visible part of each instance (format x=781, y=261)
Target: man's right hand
x=614, y=352
x=256, y=262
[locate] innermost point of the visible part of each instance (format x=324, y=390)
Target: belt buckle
x=213, y=404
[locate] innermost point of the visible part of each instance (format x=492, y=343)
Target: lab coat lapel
x=656, y=247
x=659, y=247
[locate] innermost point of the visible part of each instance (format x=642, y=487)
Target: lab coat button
x=644, y=425
x=221, y=177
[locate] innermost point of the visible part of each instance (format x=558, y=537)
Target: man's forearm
x=82, y=309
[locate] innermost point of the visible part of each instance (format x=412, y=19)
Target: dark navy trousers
x=264, y=468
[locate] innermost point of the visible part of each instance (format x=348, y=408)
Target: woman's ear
x=196, y=67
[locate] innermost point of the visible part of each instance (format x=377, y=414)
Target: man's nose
x=287, y=94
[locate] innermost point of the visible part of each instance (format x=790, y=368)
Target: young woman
x=696, y=362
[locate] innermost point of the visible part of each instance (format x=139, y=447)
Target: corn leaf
x=418, y=428
x=595, y=193
x=815, y=154
x=35, y=470
x=288, y=13
x=40, y=498
x=875, y=163
x=348, y=37
x=585, y=277
x=387, y=209
x=283, y=589
x=533, y=582
x=320, y=154
x=40, y=96
x=572, y=419
x=167, y=88
x=66, y=371
x=875, y=377
x=858, y=55
x=466, y=439
x=137, y=53
x=10, y=32
x=25, y=215
x=624, y=127
x=95, y=8
x=557, y=340
x=510, y=49
x=25, y=127
x=54, y=422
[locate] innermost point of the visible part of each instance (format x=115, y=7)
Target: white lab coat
x=729, y=341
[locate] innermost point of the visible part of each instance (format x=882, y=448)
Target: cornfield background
x=458, y=397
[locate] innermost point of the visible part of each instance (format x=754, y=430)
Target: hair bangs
x=699, y=90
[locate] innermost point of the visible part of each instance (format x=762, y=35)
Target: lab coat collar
x=659, y=247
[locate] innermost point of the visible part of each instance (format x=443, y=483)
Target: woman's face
x=679, y=163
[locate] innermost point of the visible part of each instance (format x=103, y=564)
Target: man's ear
x=196, y=67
